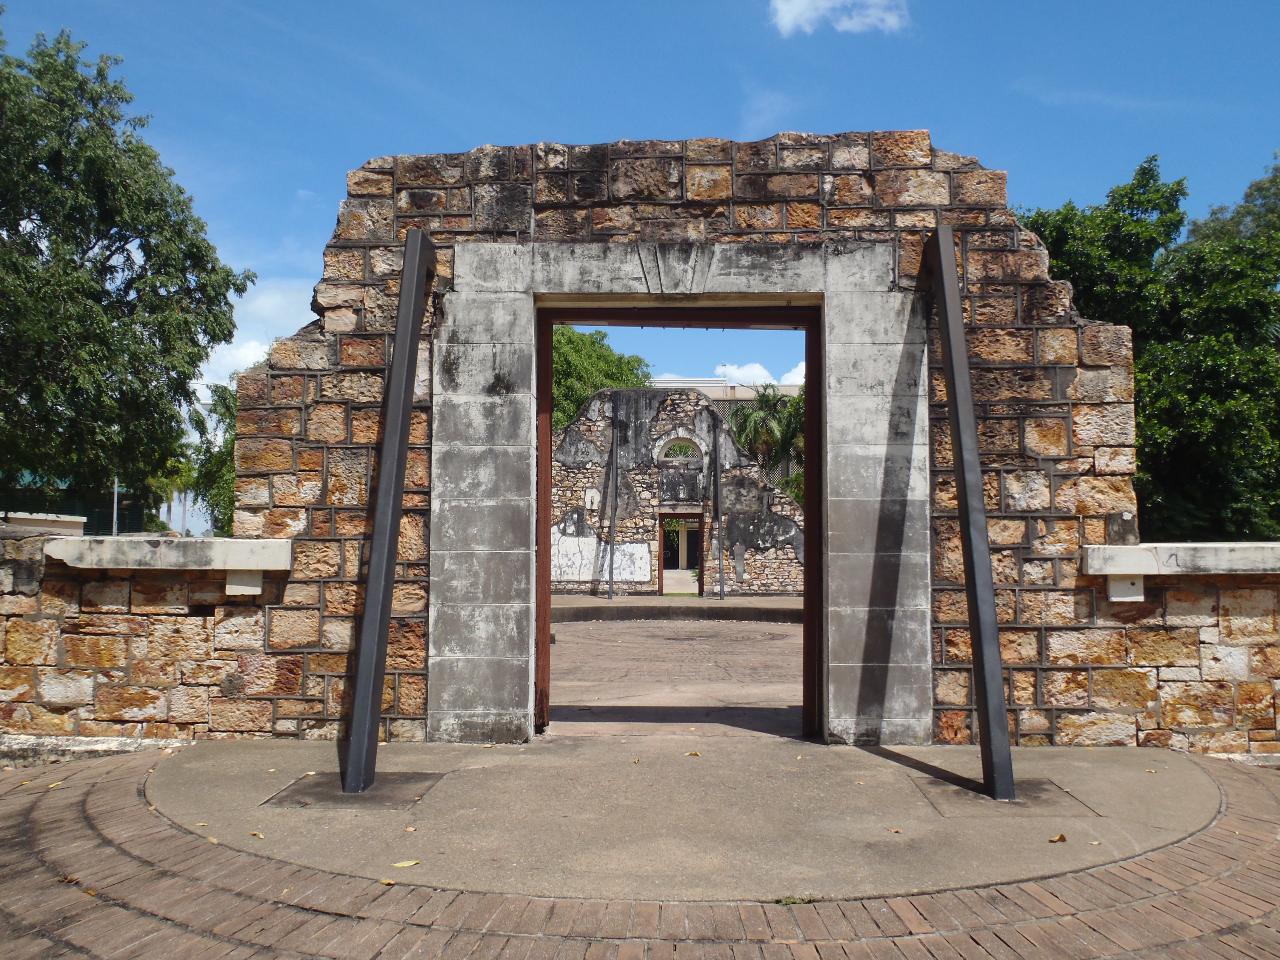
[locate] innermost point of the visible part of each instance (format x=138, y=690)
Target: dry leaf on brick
x=1060, y=838
x=407, y=863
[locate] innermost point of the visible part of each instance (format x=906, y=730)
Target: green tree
x=111, y=296
x=582, y=362
x=1205, y=311
x=771, y=427
x=214, y=479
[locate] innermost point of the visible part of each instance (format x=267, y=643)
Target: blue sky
x=261, y=108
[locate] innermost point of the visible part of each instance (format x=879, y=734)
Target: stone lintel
x=163, y=553
x=1197, y=559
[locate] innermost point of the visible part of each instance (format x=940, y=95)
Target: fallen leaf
x=799, y=756
x=1095, y=843
x=271, y=769
x=895, y=830
x=410, y=829
x=635, y=759
x=1149, y=770
x=407, y=863
x=68, y=878
x=56, y=783
x=693, y=753
x=201, y=824
x=212, y=839
x=89, y=891
x=257, y=833
x=387, y=883
x=309, y=773
x=488, y=746
x=858, y=782
x=23, y=783
x=151, y=807
x=1060, y=838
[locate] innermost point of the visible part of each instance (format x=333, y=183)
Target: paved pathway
x=87, y=869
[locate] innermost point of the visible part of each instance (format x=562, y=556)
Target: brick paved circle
x=88, y=869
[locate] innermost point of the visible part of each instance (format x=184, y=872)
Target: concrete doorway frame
x=663, y=516
x=677, y=312
x=872, y=674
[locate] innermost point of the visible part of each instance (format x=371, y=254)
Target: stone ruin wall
x=579, y=487
x=1193, y=667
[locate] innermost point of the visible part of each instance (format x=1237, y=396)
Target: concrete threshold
x=577, y=609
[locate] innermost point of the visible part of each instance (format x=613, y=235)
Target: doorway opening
x=665, y=552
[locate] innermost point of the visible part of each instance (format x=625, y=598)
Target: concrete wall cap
x=1154, y=559
x=187, y=553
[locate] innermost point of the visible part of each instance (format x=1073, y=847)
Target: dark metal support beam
x=993, y=729
x=359, y=751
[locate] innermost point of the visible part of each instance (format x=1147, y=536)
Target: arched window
x=680, y=450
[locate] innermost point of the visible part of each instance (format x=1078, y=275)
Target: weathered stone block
x=106, y=596
x=1107, y=425
x=1095, y=729
x=30, y=718
x=1250, y=615
x=264, y=674
x=982, y=188
x=1104, y=345
x=130, y=703
x=263, y=456
x=709, y=182
x=290, y=629
x=901, y=148
x=17, y=684
x=315, y=559
x=189, y=705
x=1088, y=646
x=64, y=688
x=1066, y=688
x=31, y=642
x=912, y=188
x=94, y=651
x=1164, y=648
x=1097, y=496
x=1124, y=689
x=239, y=716
x=158, y=596
x=1197, y=704
x=1219, y=662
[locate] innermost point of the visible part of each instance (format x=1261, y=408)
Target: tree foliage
x=582, y=362
x=214, y=480
x=1205, y=312
x=111, y=296
x=771, y=427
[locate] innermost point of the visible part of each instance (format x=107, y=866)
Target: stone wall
x=162, y=654
x=1196, y=666
x=764, y=528
x=1054, y=399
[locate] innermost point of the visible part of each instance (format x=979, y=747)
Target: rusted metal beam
x=359, y=753
x=993, y=729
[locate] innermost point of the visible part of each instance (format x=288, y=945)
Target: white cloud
x=273, y=308
x=847, y=16
x=795, y=375
x=748, y=374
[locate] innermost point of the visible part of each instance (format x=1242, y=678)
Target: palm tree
x=771, y=427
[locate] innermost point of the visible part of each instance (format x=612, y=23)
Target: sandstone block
x=315, y=559
x=1115, y=460
x=981, y=188
x=709, y=182
x=95, y=651
x=408, y=598
x=364, y=220
x=1255, y=705
x=1095, y=730
x=158, y=596
x=1026, y=491
x=901, y=148
x=645, y=179
x=1053, y=607
x=348, y=483
x=1088, y=646
x=847, y=190
x=263, y=456
x=951, y=687
x=1124, y=689
x=912, y=188
x=341, y=263
x=189, y=705
x=283, y=522
x=296, y=490
x=1066, y=688
x=290, y=629
x=17, y=605
x=1250, y=615
x=1197, y=704
x=1219, y=662
x=175, y=638
x=804, y=216
x=17, y=683
x=130, y=703
x=1102, y=385
x=1164, y=648
x=106, y=596
x=357, y=386
x=269, y=674
x=338, y=633
x=59, y=597
x=31, y=718
x=1103, y=425
x=64, y=688
x=239, y=716
x=952, y=726
x=1097, y=496
x=238, y=628
x=31, y=642
x=1104, y=345
x=1058, y=345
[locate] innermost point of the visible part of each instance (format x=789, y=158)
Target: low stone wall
x=157, y=654
x=1195, y=666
